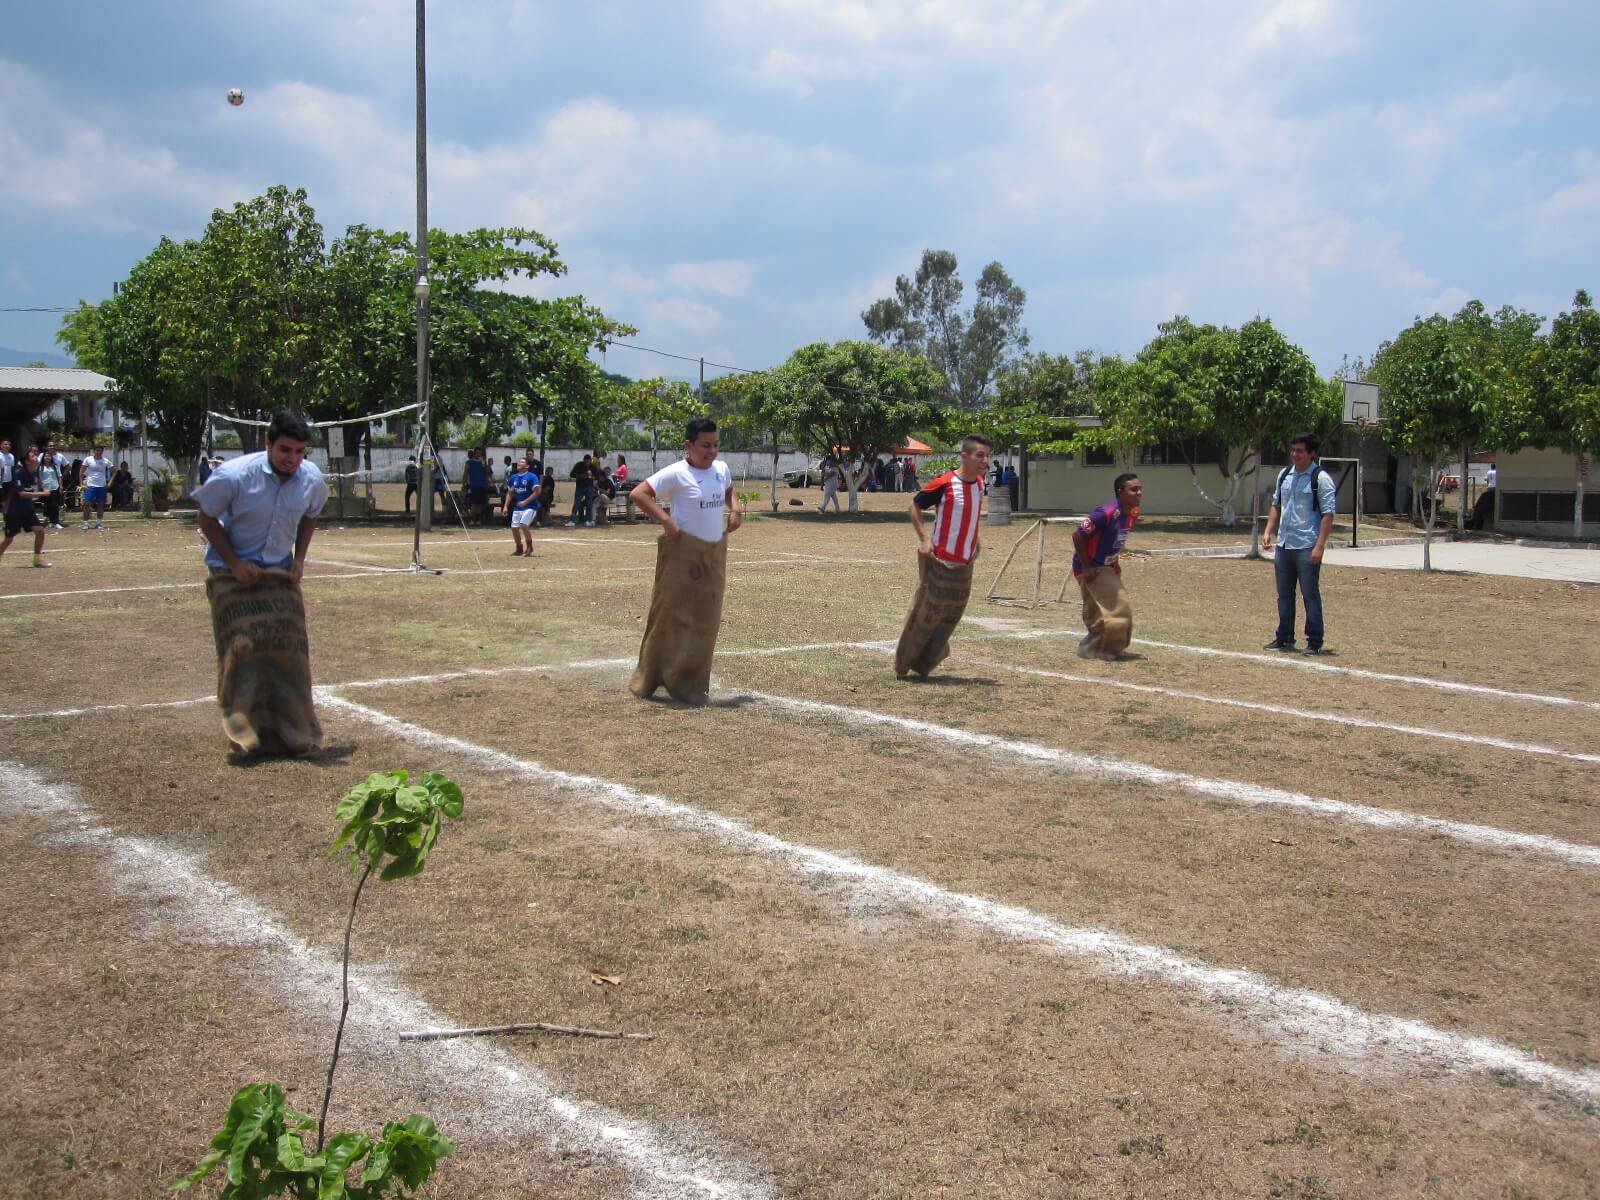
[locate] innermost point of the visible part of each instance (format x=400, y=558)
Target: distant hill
x=21, y=358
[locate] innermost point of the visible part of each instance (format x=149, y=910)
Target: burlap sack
x=941, y=598
x=1108, y=615
x=680, y=634
x=263, y=664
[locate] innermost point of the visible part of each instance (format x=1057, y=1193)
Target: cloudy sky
x=740, y=177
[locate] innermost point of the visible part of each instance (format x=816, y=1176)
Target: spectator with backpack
x=1301, y=518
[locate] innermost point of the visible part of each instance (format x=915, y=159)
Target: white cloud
x=725, y=276
x=62, y=164
x=678, y=316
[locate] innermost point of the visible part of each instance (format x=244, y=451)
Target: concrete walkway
x=1576, y=565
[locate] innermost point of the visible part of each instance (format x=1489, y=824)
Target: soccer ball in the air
x=236, y=96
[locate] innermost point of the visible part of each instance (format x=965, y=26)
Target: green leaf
x=341, y=1151
x=446, y=793
x=292, y=1156
x=413, y=800
x=206, y=1166
x=256, y=1109
x=416, y=1146
x=403, y=865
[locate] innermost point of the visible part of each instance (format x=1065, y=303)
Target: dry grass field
x=1200, y=922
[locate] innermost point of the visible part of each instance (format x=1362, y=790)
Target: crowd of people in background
x=483, y=499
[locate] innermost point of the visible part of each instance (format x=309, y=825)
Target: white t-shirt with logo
x=96, y=472
x=698, y=498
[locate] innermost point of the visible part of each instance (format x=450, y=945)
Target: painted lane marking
x=1311, y=1021
x=1226, y=789
x=519, y=1099
x=1305, y=664
x=1303, y=713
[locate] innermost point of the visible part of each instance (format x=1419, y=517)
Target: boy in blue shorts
x=96, y=487
x=522, y=502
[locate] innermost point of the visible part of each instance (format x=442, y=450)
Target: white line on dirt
x=588, y=664
x=520, y=1100
x=1303, y=713
x=104, y=708
x=1312, y=1022
x=1225, y=789
x=372, y=572
x=1311, y=664
x=371, y=567
x=582, y=664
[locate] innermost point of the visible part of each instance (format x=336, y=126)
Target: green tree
x=852, y=398
x=368, y=328
x=664, y=409
x=969, y=349
x=1566, y=371
x=1436, y=398
x=1273, y=392
x=261, y=271
x=1501, y=348
x=505, y=354
x=1120, y=396
x=1030, y=399
x=83, y=337
x=1237, y=389
x=152, y=342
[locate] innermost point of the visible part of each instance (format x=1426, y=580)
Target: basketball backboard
x=1361, y=403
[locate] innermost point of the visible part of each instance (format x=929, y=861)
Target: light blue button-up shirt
x=1299, y=522
x=260, y=511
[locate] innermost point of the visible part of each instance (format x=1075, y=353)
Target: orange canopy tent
x=911, y=447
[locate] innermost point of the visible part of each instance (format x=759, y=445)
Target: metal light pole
x=424, y=415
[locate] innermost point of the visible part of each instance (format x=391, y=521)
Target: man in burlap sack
x=944, y=559
x=680, y=634
x=1097, y=566
x=257, y=514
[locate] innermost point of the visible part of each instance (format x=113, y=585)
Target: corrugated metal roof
x=66, y=380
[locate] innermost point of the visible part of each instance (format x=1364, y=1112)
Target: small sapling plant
x=390, y=824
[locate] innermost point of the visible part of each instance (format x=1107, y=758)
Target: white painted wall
x=1066, y=485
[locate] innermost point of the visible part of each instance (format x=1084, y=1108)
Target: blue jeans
x=1292, y=567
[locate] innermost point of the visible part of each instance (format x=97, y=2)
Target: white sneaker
x=570, y=525
x=86, y=524
x=99, y=524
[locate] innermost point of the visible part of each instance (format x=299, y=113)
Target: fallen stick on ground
x=433, y=1035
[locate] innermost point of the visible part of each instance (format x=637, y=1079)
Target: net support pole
x=424, y=412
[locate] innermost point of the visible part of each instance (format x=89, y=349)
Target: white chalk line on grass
x=1224, y=789
x=355, y=566
x=371, y=572
x=581, y=664
x=1311, y=664
x=1307, y=714
x=1311, y=1021
x=588, y=664
x=105, y=708
x=519, y=1098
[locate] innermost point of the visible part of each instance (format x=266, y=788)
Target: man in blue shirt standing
x=522, y=502
x=258, y=513
x=1303, y=500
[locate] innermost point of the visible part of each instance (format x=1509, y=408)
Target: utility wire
x=834, y=388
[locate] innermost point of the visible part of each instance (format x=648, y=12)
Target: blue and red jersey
x=1105, y=533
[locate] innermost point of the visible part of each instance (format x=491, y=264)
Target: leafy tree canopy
x=969, y=349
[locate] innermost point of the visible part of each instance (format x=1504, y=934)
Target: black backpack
x=1316, y=493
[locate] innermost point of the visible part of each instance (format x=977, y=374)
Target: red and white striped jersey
x=955, y=528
